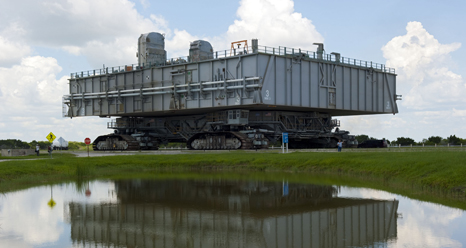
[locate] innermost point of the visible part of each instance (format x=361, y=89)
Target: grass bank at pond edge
x=439, y=169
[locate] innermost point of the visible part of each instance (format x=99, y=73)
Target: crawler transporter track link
x=226, y=141
x=122, y=142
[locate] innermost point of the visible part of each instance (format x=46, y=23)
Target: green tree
x=32, y=144
x=435, y=139
x=42, y=144
x=13, y=144
x=453, y=140
x=361, y=138
x=426, y=142
x=405, y=141
x=75, y=145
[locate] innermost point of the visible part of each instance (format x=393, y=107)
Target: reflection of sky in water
x=422, y=224
x=27, y=221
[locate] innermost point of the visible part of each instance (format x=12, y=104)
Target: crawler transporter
x=241, y=98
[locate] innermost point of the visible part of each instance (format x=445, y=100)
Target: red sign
x=87, y=141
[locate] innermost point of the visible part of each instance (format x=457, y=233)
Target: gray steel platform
x=259, y=78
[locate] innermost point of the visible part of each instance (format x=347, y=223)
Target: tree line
x=405, y=141
x=18, y=144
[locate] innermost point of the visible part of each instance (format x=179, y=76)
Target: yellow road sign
x=51, y=203
x=51, y=137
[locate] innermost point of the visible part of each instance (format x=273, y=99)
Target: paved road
x=4, y=160
x=177, y=151
x=158, y=152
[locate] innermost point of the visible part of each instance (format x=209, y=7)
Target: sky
x=43, y=41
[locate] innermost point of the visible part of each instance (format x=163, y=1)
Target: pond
x=222, y=213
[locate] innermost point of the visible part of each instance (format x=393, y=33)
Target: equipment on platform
x=200, y=50
x=151, y=49
x=242, y=98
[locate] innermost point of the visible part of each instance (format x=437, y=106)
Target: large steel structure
x=245, y=97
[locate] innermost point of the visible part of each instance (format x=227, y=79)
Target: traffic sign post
x=284, y=141
x=50, y=137
x=87, y=141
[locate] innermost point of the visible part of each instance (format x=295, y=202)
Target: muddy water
x=222, y=213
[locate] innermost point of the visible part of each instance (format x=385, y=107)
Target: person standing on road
x=340, y=145
x=37, y=149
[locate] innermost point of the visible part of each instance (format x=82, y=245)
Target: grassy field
x=433, y=175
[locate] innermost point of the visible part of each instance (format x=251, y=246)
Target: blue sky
x=42, y=42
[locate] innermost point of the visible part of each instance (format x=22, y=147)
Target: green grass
x=433, y=175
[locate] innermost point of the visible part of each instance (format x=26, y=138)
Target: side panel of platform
x=252, y=81
x=337, y=88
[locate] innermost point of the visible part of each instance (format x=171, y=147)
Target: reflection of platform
x=231, y=214
x=243, y=196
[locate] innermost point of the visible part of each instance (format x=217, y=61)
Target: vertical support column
x=286, y=79
x=200, y=86
x=255, y=45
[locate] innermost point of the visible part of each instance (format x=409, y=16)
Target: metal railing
x=286, y=51
x=280, y=51
x=172, y=61
x=426, y=146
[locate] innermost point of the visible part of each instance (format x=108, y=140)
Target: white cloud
x=178, y=45
x=17, y=243
x=103, y=31
x=75, y=50
x=31, y=83
x=427, y=224
x=274, y=22
x=423, y=224
x=459, y=112
x=80, y=27
x=106, y=32
x=28, y=221
x=11, y=52
x=31, y=102
x=433, y=95
x=413, y=124
x=161, y=22
x=421, y=62
x=376, y=126
x=121, y=51
x=145, y=3
x=59, y=23
x=43, y=222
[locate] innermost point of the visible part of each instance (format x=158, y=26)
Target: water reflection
x=225, y=213
x=222, y=213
